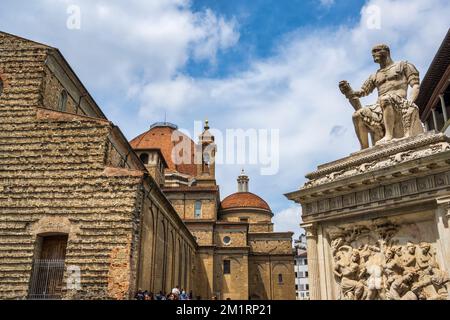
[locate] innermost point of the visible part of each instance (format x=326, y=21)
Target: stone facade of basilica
x=86, y=214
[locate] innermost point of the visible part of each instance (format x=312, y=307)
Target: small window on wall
x=144, y=158
x=198, y=209
x=62, y=103
x=1, y=86
x=226, y=266
x=280, y=278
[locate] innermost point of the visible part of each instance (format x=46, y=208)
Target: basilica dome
x=245, y=206
x=160, y=136
x=240, y=200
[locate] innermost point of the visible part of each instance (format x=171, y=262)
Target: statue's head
x=380, y=53
x=389, y=253
x=411, y=247
x=425, y=247
x=355, y=256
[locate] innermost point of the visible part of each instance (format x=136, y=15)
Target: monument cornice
x=393, y=167
x=379, y=152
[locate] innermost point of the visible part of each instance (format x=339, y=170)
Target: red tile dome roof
x=244, y=200
x=160, y=137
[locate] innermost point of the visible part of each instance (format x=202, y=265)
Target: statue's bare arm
x=412, y=75
x=367, y=88
x=415, y=89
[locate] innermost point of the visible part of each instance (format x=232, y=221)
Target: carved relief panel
x=383, y=260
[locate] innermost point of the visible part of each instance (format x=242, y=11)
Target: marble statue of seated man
x=394, y=115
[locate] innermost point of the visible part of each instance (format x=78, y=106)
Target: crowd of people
x=175, y=294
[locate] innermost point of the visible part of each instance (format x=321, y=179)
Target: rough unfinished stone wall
x=62, y=173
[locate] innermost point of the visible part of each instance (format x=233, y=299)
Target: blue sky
x=263, y=23
x=261, y=64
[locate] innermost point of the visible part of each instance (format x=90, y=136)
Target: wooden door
x=48, y=270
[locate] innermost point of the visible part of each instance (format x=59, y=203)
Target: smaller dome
x=244, y=200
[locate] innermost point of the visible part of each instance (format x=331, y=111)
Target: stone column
x=444, y=107
x=435, y=119
x=313, y=261
x=443, y=228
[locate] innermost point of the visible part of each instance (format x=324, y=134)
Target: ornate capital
x=445, y=203
x=310, y=229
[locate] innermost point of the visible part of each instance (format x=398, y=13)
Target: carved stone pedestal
x=379, y=222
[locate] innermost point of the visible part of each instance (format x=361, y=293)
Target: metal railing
x=46, y=279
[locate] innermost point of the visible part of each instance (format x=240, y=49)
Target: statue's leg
x=361, y=130
x=359, y=291
x=388, y=119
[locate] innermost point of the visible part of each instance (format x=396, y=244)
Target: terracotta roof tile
x=244, y=200
x=160, y=137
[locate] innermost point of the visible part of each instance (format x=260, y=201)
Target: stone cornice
x=377, y=153
x=394, y=164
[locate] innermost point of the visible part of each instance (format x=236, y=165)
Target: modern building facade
x=85, y=214
x=301, y=269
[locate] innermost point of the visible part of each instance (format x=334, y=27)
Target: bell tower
x=206, y=167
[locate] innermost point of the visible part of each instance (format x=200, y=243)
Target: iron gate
x=47, y=279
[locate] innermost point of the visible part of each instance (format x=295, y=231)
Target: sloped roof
x=436, y=71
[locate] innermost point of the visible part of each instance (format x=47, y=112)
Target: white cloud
x=296, y=91
x=327, y=3
x=288, y=220
x=132, y=55
x=123, y=42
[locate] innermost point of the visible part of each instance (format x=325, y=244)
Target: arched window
x=1, y=86
x=144, y=158
x=62, y=103
x=226, y=266
x=280, y=278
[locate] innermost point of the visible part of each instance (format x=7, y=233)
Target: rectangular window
x=280, y=278
x=305, y=261
x=296, y=287
x=300, y=274
x=302, y=287
x=296, y=275
x=306, y=274
x=226, y=266
x=307, y=287
x=198, y=209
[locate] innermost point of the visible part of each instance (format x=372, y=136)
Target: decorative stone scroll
x=368, y=264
